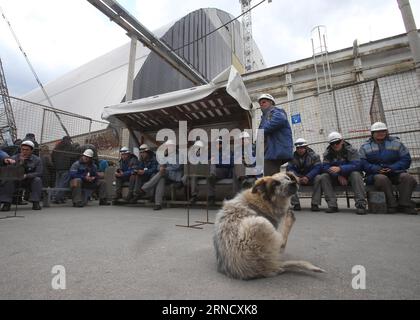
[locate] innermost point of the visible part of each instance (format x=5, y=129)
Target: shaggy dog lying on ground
x=251, y=230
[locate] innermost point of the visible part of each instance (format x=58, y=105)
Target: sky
x=61, y=35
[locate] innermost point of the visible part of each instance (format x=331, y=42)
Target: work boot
x=104, y=202
x=19, y=201
x=36, y=206
x=78, y=204
x=297, y=207
x=6, y=206
x=408, y=210
x=331, y=210
x=315, y=208
x=360, y=210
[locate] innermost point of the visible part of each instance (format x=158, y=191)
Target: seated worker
x=126, y=166
x=83, y=175
x=342, y=166
x=170, y=171
x=246, y=173
x=306, y=165
x=385, y=159
x=32, y=179
x=220, y=168
x=147, y=167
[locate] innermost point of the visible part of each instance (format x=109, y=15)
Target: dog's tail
x=300, y=265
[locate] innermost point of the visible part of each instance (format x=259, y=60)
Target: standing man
x=342, y=166
x=306, y=165
x=126, y=166
x=32, y=178
x=278, y=142
x=385, y=160
x=83, y=175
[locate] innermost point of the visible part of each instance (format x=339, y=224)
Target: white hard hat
x=170, y=142
x=124, y=150
x=244, y=134
x=88, y=153
x=334, y=136
x=198, y=144
x=378, y=126
x=144, y=147
x=266, y=96
x=301, y=143
x=28, y=143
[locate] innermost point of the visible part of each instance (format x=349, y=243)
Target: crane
x=247, y=33
x=247, y=30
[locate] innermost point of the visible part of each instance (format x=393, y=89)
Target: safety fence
x=352, y=109
x=49, y=126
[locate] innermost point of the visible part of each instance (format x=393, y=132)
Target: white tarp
x=229, y=78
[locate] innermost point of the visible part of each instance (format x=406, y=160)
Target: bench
x=348, y=191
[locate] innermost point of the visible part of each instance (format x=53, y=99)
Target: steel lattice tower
x=7, y=120
x=247, y=30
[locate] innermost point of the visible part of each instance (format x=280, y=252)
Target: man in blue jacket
x=278, y=141
x=147, y=168
x=32, y=179
x=386, y=161
x=342, y=166
x=171, y=171
x=306, y=165
x=126, y=166
x=84, y=175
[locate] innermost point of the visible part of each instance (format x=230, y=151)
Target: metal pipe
x=412, y=34
x=131, y=66
x=125, y=20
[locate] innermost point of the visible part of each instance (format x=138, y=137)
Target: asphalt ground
x=133, y=252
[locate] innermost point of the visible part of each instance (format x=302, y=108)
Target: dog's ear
x=292, y=176
x=259, y=186
x=265, y=186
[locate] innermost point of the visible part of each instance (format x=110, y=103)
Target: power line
x=32, y=69
x=229, y=22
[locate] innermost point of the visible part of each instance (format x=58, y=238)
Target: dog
x=251, y=230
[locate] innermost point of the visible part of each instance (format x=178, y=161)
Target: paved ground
x=136, y=253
